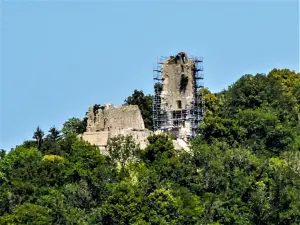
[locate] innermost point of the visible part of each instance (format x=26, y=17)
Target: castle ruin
x=110, y=121
x=177, y=106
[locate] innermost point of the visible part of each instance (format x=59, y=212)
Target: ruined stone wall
x=123, y=118
x=140, y=136
x=99, y=139
x=112, y=121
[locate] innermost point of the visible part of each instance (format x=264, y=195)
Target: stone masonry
x=111, y=121
x=174, y=102
x=177, y=73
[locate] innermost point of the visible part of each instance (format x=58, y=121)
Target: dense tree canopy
x=74, y=125
x=243, y=168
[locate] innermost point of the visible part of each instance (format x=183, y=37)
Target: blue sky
x=60, y=57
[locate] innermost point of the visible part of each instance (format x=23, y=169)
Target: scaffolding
x=197, y=110
x=159, y=116
x=170, y=121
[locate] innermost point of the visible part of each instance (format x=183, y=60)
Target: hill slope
x=244, y=167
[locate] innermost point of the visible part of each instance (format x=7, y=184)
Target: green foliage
x=28, y=214
x=54, y=134
x=243, y=168
x=123, y=149
x=123, y=206
x=213, y=103
x=52, y=170
x=158, y=145
x=247, y=151
x=21, y=163
x=38, y=136
x=2, y=153
x=249, y=92
x=74, y=126
x=163, y=207
x=221, y=129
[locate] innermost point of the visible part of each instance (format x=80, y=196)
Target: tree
x=38, y=135
x=123, y=206
x=28, y=214
x=54, y=134
x=287, y=100
x=62, y=211
x=74, y=126
x=220, y=129
x=96, y=108
x=29, y=144
x=263, y=130
x=2, y=153
x=51, y=144
x=158, y=145
x=249, y=92
x=52, y=170
x=212, y=102
x=122, y=149
x=163, y=207
x=19, y=175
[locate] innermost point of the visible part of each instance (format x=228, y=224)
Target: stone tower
x=177, y=108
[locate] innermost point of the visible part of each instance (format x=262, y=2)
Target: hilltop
x=243, y=167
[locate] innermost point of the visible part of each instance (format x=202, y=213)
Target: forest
x=243, y=167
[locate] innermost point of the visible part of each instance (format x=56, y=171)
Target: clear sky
x=60, y=57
